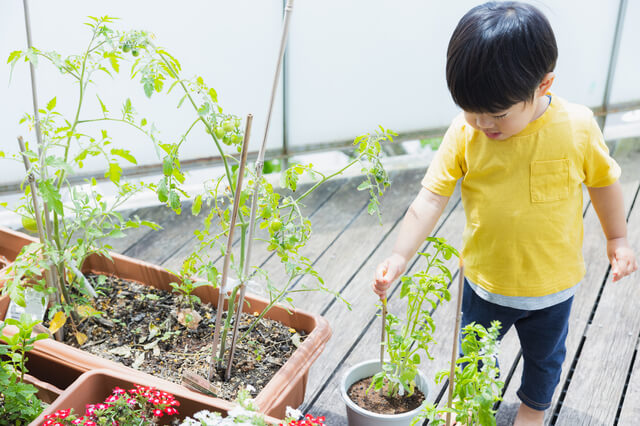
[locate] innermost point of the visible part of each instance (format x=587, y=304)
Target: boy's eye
x=501, y=116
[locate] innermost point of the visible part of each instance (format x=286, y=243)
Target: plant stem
x=210, y=130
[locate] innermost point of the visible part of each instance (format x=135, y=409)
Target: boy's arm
x=609, y=205
x=416, y=226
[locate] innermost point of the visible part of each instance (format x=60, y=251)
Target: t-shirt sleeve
x=599, y=168
x=448, y=164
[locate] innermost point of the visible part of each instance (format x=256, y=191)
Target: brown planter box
x=95, y=386
x=286, y=388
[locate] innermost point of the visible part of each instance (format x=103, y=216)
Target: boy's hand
x=386, y=273
x=623, y=260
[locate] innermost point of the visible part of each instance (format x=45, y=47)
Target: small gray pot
x=359, y=416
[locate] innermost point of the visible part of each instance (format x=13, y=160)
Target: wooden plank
x=177, y=229
x=630, y=412
x=159, y=214
x=600, y=373
x=596, y=262
x=360, y=340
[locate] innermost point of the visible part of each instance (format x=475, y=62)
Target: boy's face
x=510, y=122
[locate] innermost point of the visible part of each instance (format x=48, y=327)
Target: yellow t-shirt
x=523, y=198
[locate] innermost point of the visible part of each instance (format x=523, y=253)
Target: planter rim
x=179, y=394
x=355, y=407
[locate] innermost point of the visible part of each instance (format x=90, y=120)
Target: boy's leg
x=542, y=336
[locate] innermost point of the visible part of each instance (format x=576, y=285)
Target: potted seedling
x=476, y=387
x=19, y=403
x=397, y=389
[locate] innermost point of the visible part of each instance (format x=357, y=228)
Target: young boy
x=522, y=154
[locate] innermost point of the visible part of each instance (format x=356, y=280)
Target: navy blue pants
x=542, y=335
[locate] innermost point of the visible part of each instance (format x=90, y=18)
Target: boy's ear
x=546, y=83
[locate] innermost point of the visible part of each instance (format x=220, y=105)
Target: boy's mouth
x=493, y=135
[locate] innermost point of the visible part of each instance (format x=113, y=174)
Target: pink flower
x=118, y=391
x=78, y=421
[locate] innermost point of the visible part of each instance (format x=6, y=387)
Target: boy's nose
x=484, y=122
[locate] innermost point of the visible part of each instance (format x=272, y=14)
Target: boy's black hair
x=498, y=55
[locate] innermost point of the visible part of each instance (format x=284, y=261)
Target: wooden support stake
x=382, y=335
x=454, y=349
x=49, y=277
x=259, y=169
x=227, y=255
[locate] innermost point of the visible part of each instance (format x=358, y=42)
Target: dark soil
x=139, y=328
x=379, y=402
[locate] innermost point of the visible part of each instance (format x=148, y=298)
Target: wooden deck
x=600, y=382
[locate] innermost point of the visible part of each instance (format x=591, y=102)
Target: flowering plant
x=246, y=413
x=140, y=406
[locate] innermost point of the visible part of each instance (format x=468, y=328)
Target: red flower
x=63, y=414
x=170, y=411
x=158, y=413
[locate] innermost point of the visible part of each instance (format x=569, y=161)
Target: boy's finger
x=615, y=269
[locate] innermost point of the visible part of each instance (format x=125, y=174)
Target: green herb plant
x=18, y=402
x=407, y=338
x=476, y=385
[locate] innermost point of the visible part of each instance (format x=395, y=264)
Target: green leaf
x=163, y=192
x=178, y=175
x=102, y=106
x=181, y=101
x=124, y=153
x=213, y=95
x=51, y=196
x=52, y=104
x=174, y=200
x=197, y=205
x=204, y=110
x=167, y=166
x=114, y=173
x=364, y=185
x=14, y=56
x=148, y=88
x=114, y=63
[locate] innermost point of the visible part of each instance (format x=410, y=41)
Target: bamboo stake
x=454, y=350
x=259, y=168
x=48, y=273
x=36, y=117
x=382, y=335
x=227, y=255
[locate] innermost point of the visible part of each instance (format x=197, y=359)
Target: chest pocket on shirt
x=549, y=180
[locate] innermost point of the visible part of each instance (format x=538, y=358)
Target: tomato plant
x=409, y=337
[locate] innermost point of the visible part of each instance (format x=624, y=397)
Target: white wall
x=626, y=85
x=351, y=64
x=231, y=44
